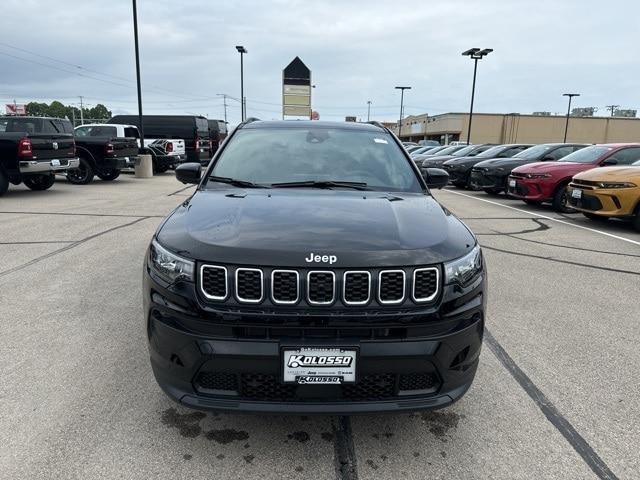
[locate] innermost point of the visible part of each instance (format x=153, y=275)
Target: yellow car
x=607, y=192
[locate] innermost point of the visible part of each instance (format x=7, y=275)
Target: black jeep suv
x=312, y=271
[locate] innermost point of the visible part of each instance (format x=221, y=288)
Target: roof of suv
x=313, y=123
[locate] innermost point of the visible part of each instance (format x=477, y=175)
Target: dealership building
x=518, y=128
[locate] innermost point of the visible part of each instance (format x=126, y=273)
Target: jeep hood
x=281, y=227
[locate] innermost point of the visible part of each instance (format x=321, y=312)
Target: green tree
x=99, y=112
x=37, y=109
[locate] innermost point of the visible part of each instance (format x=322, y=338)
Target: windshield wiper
x=235, y=182
x=322, y=184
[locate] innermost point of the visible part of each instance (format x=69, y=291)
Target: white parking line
x=624, y=239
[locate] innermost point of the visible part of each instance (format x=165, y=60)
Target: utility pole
x=81, y=113
x=402, y=89
x=368, y=110
x=135, y=36
x=612, y=108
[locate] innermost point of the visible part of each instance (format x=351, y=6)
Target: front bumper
x=206, y=359
x=457, y=175
x=53, y=165
x=482, y=179
x=614, y=202
x=530, y=189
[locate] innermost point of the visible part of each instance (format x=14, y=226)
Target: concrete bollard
x=144, y=166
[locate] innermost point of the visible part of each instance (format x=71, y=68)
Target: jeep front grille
x=320, y=288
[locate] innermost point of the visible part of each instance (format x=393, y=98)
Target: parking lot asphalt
x=557, y=392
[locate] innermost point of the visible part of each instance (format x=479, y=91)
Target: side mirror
x=189, y=172
x=610, y=161
x=435, y=177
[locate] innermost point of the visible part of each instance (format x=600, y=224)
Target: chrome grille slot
x=321, y=287
x=356, y=287
x=249, y=285
x=285, y=287
x=425, y=284
x=391, y=287
x=213, y=282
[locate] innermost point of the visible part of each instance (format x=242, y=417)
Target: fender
x=87, y=155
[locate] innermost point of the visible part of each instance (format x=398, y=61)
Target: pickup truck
x=166, y=152
x=33, y=150
x=102, y=152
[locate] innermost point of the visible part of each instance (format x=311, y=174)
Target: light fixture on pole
x=475, y=54
x=566, y=123
x=402, y=89
x=243, y=104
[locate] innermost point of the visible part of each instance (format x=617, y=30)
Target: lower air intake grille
x=217, y=381
x=391, y=287
x=418, y=381
x=321, y=287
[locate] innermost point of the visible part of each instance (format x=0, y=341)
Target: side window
x=131, y=132
x=49, y=127
x=626, y=156
x=480, y=150
x=512, y=151
x=558, y=153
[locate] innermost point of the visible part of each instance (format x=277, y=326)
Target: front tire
x=108, y=175
x=636, y=219
x=4, y=183
x=493, y=191
x=81, y=175
x=559, y=200
x=40, y=182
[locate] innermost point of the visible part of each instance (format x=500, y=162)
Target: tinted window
x=626, y=156
x=558, y=153
x=464, y=151
x=202, y=124
x=534, y=152
x=27, y=125
x=267, y=156
x=449, y=150
x=131, y=132
x=492, y=152
x=513, y=151
x=587, y=155
x=96, y=131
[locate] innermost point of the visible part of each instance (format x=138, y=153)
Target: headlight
x=501, y=169
x=169, y=265
x=463, y=270
x=537, y=175
x=616, y=184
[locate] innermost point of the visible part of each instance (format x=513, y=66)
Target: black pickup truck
x=32, y=151
x=101, y=153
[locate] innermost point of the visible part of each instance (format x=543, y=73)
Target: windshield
x=587, y=155
x=533, y=152
x=492, y=152
x=465, y=151
x=265, y=156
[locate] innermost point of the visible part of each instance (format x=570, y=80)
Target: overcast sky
x=356, y=50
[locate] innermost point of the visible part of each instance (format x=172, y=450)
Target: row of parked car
x=601, y=181
x=34, y=149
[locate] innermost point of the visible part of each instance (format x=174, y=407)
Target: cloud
x=357, y=51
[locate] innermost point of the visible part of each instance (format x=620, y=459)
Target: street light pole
x=566, y=123
x=242, y=51
x=368, y=110
x=135, y=36
x=475, y=54
x=402, y=89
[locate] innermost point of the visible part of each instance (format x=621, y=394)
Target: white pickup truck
x=166, y=152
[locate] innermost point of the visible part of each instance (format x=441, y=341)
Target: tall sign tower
x=296, y=90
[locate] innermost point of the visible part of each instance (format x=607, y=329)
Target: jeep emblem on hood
x=330, y=259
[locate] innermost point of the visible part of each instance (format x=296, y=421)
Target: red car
x=547, y=181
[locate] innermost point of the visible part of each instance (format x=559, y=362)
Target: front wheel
x=636, y=219
x=560, y=200
x=108, y=175
x=39, y=182
x=81, y=175
x=493, y=191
